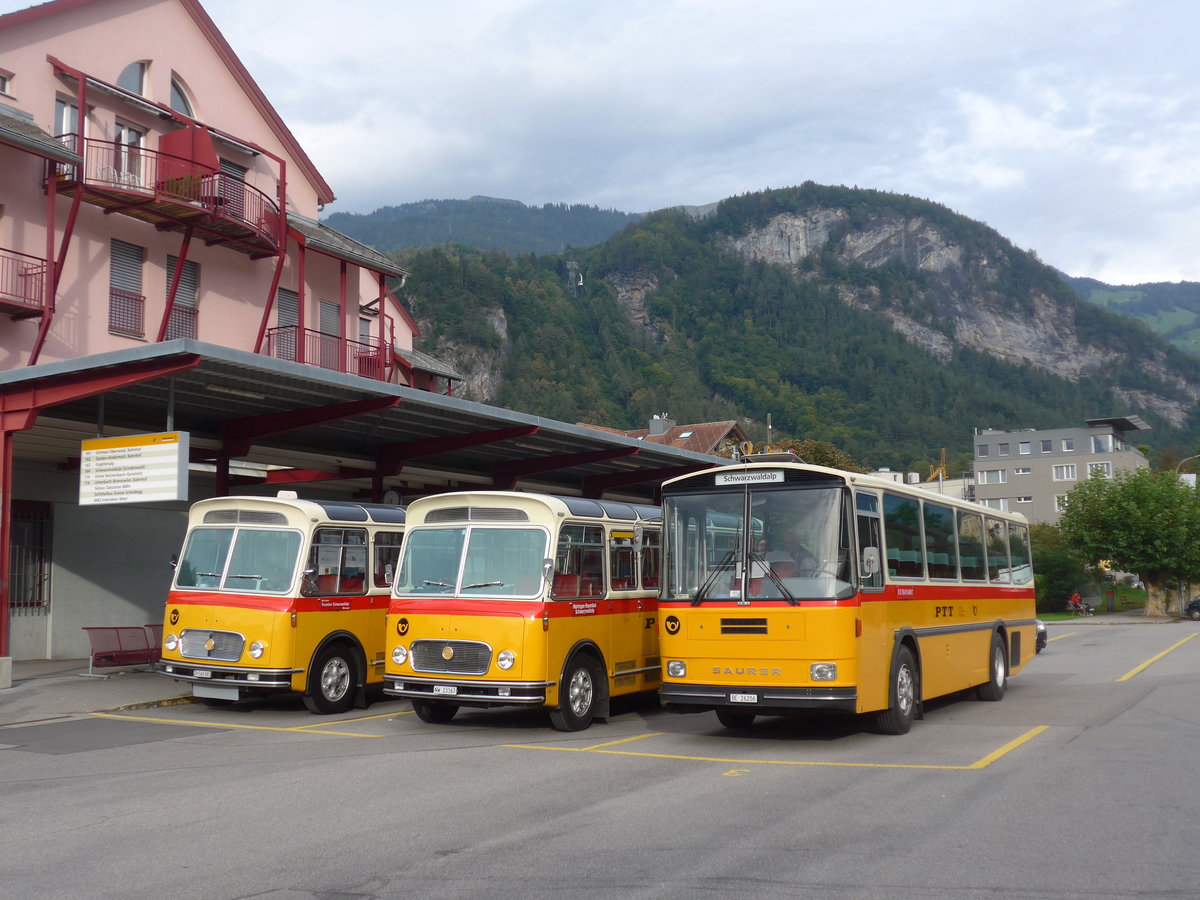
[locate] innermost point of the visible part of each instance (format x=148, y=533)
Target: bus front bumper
x=478, y=693
x=219, y=681
x=760, y=700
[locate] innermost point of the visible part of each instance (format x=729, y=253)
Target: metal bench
x=113, y=646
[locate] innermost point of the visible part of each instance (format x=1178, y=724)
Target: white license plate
x=215, y=692
x=445, y=689
x=743, y=698
x=201, y=673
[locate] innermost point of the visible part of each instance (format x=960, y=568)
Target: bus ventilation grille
x=743, y=626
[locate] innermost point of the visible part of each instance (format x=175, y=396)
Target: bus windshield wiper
x=723, y=566
x=467, y=587
x=755, y=556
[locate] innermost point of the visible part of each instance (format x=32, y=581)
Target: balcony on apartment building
x=316, y=348
x=22, y=284
x=174, y=193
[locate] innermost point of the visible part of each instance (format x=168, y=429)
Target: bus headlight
x=171, y=642
x=399, y=654
x=823, y=671
x=505, y=659
x=677, y=668
x=256, y=649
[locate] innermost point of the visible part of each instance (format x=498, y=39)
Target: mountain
x=1170, y=310
x=887, y=325
x=484, y=222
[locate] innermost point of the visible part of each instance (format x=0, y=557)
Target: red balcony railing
x=22, y=283
x=173, y=192
x=317, y=348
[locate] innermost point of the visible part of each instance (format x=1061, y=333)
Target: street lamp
x=1179, y=465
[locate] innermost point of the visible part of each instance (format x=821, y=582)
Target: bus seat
x=566, y=585
x=327, y=584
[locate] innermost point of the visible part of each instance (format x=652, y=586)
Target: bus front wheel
x=997, y=672
x=331, y=681
x=577, y=697
x=434, y=711
x=735, y=719
x=902, y=696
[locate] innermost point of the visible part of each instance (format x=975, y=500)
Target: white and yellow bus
x=796, y=587
x=281, y=594
x=514, y=599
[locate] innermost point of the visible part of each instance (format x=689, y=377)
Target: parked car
x=1040, y=643
x=1193, y=610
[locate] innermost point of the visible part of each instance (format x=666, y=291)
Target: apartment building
x=1031, y=471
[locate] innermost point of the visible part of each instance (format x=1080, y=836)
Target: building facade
x=1031, y=471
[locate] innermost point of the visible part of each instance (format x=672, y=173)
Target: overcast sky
x=1070, y=126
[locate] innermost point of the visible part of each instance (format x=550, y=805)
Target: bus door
x=581, y=610
x=628, y=619
x=874, y=668
x=649, y=566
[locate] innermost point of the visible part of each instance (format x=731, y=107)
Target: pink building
x=179, y=205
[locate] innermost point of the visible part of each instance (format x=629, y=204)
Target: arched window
x=133, y=78
x=180, y=100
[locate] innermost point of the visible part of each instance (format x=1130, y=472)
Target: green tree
x=820, y=453
x=1142, y=521
x=1057, y=567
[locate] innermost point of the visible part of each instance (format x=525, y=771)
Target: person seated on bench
x=1078, y=606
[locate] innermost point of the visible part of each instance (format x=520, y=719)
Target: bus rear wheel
x=997, y=672
x=331, y=681
x=577, y=697
x=902, y=696
x=434, y=711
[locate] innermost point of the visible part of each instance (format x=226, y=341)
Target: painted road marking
x=981, y=763
x=298, y=729
x=1136, y=669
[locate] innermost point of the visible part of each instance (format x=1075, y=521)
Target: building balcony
x=316, y=348
x=22, y=284
x=174, y=194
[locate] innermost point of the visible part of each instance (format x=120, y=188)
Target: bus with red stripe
x=515, y=599
x=275, y=594
x=793, y=587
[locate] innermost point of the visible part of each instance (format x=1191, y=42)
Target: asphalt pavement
x=49, y=689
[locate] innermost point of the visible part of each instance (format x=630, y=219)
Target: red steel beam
x=390, y=460
x=595, y=486
x=239, y=435
x=505, y=475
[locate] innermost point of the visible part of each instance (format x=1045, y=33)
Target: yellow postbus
x=508, y=599
x=795, y=587
x=282, y=594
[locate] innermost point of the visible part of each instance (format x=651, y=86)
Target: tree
x=1058, y=569
x=1142, y=521
x=820, y=453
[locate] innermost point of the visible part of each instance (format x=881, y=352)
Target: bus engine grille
x=451, y=657
x=201, y=643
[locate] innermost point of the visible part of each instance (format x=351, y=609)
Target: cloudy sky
x=1070, y=126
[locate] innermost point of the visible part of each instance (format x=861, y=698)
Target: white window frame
x=981, y=450
x=1002, y=450
x=1065, y=472
x=1104, y=468
x=1047, y=446
x=1023, y=470
x=981, y=477
x=1060, y=501
x=1024, y=448
x=1068, y=445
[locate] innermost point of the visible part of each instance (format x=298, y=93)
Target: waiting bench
x=121, y=645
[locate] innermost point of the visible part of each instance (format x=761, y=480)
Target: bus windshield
x=241, y=560
x=473, y=561
x=758, y=544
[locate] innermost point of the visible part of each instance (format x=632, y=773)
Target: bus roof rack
x=773, y=456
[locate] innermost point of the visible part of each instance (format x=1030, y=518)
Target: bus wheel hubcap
x=335, y=679
x=580, y=692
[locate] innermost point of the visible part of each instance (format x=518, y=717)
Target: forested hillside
x=1170, y=310
x=886, y=325
x=483, y=222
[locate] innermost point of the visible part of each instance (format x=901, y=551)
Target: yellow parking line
x=636, y=737
x=975, y=766
x=391, y=715
x=1136, y=669
x=299, y=729
x=1059, y=637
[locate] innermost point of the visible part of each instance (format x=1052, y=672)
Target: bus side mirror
x=547, y=568
x=870, y=562
x=174, y=560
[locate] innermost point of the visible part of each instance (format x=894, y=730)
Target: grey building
x=1032, y=471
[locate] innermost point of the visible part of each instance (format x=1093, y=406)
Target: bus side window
x=387, y=552
x=651, y=558
x=579, y=562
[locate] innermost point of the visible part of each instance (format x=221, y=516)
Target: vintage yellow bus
x=795, y=587
x=282, y=594
x=511, y=599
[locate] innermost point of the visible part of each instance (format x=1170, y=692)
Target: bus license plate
x=201, y=673
x=445, y=689
x=743, y=698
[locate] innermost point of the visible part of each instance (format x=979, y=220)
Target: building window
x=982, y=450
x=1060, y=502
x=29, y=579
x=180, y=101
x=1003, y=450
x=1068, y=445
x=1024, y=448
x=133, y=78
x=1047, y=446
x=1104, y=470
x=126, y=303
x=1000, y=503
x=993, y=476
x=126, y=165
x=182, y=323
x=1064, y=473
x=1023, y=470
x=1102, y=443
x=1024, y=499
x=5, y=82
